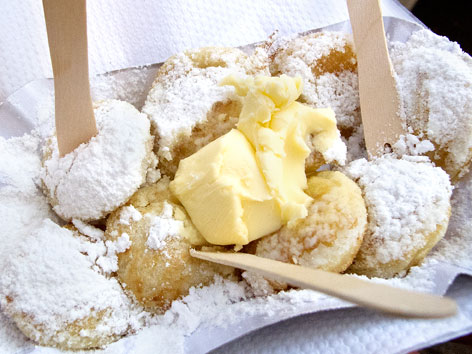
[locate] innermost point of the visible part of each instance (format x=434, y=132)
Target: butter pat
x=225, y=194
x=251, y=181
x=277, y=127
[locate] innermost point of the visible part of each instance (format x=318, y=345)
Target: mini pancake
x=434, y=78
x=187, y=106
x=330, y=236
x=408, y=207
x=51, y=288
x=327, y=63
x=157, y=268
x=102, y=174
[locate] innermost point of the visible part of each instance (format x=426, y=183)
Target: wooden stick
x=368, y=294
x=377, y=89
x=66, y=23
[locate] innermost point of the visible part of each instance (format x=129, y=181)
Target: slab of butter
x=251, y=181
x=225, y=194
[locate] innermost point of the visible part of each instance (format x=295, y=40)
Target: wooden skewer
x=379, y=297
x=66, y=23
x=378, y=93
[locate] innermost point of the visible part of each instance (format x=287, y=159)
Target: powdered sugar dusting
x=355, y=145
x=107, y=170
x=336, y=152
x=405, y=200
x=434, y=77
x=340, y=92
x=11, y=338
x=150, y=339
x=336, y=90
x=163, y=227
x=109, y=261
x=22, y=206
x=48, y=279
x=18, y=163
x=456, y=247
x=129, y=213
x=130, y=85
x=410, y=144
x=182, y=97
x=48, y=274
x=88, y=230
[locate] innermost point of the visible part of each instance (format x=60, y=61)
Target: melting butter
x=251, y=181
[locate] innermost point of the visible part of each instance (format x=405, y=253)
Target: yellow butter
x=277, y=128
x=225, y=194
x=251, y=181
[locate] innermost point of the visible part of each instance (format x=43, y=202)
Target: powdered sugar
x=17, y=173
x=130, y=85
x=405, y=201
x=50, y=281
x=22, y=206
x=163, y=227
x=48, y=273
x=129, y=213
x=260, y=286
x=88, y=230
x=456, y=247
x=338, y=90
x=109, y=261
x=355, y=145
x=183, y=97
x=150, y=340
x=99, y=176
x=336, y=152
x=181, y=116
x=11, y=338
x=412, y=145
x=434, y=78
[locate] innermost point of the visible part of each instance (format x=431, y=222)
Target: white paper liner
x=129, y=33
x=357, y=330
x=19, y=114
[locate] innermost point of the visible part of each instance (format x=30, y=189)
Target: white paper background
x=126, y=33
x=358, y=331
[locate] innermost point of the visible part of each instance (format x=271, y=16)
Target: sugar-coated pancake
x=187, y=106
x=157, y=268
x=408, y=207
x=330, y=236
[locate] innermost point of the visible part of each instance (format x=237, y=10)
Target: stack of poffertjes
x=376, y=218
